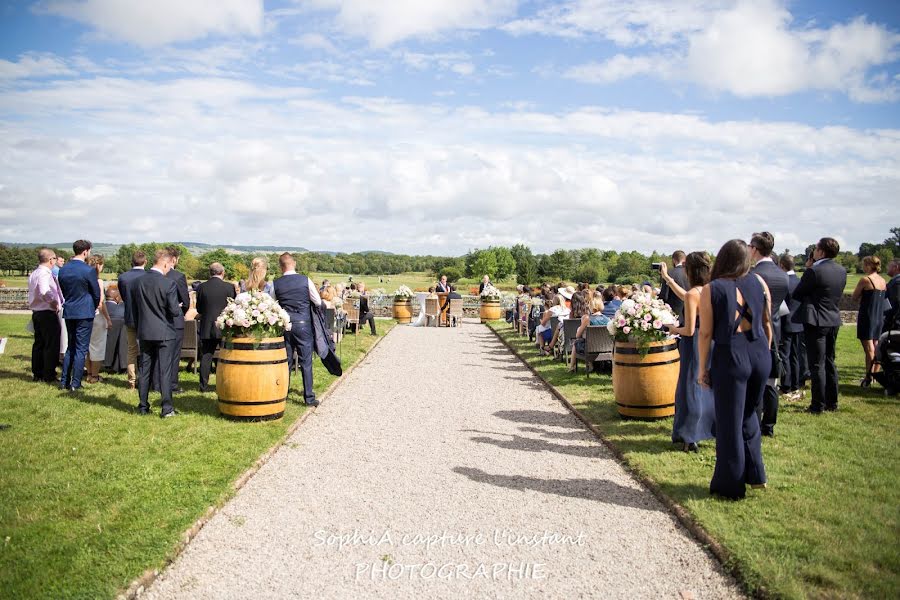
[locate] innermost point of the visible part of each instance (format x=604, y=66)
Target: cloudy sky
x=437, y=126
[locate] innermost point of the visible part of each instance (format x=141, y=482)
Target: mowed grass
x=829, y=524
x=91, y=494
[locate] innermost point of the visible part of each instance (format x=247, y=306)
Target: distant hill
x=195, y=248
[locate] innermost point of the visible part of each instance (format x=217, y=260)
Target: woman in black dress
x=870, y=292
x=735, y=312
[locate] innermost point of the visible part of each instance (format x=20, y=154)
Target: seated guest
x=870, y=293
x=593, y=318
x=365, y=315
x=611, y=302
x=545, y=335
x=624, y=291
x=453, y=295
x=114, y=305
x=327, y=294
x=116, y=359
x=432, y=293
x=567, y=292
x=325, y=283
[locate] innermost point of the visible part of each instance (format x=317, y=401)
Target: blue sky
x=440, y=126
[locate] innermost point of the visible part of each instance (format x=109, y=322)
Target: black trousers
x=300, y=338
x=45, y=350
x=369, y=318
x=820, y=348
x=176, y=356
x=155, y=357
x=207, y=349
x=790, y=357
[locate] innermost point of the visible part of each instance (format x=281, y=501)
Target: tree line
x=500, y=263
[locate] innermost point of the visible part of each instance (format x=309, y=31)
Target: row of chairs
x=598, y=342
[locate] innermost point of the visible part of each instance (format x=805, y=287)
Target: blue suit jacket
x=128, y=282
x=78, y=283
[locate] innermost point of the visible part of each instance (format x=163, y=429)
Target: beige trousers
x=131, y=334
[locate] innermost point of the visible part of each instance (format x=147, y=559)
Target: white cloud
x=162, y=21
x=457, y=62
x=34, y=65
x=618, y=67
x=316, y=41
x=386, y=23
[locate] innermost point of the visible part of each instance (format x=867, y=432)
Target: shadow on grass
x=598, y=490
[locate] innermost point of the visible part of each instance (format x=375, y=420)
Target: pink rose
x=626, y=330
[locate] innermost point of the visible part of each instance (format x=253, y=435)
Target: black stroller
x=888, y=356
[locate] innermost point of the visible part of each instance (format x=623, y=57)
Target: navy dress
x=741, y=362
x=870, y=318
x=694, y=408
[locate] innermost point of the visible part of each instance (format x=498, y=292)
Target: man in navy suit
x=296, y=293
x=127, y=285
x=184, y=301
x=792, y=355
x=156, y=308
x=680, y=276
x=761, y=245
x=820, y=289
x=78, y=283
x=212, y=298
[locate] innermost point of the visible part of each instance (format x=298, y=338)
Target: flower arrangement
x=253, y=314
x=403, y=293
x=640, y=319
x=490, y=294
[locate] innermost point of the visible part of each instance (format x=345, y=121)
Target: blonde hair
x=328, y=293
x=257, y=278
x=872, y=262
x=96, y=260
x=596, y=302
x=560, y=300
x=625, y=291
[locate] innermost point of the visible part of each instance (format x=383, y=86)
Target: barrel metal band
x=252, y=362
x=244, y=346
x=252, y=418
x=668, y=362
x=243, y=403
x=653, y=350
x=646, y=407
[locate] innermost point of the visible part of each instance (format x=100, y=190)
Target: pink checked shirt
x=43, y=290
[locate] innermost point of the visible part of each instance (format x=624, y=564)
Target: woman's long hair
x=732, y=260
x=697, y=267
x=257, y=278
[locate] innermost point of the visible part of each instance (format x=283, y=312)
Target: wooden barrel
x=252, y=382
x=402, y=311
x=490, y=310
x=645, y=386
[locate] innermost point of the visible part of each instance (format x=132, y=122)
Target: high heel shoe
x=691, y=447
x=758, y=486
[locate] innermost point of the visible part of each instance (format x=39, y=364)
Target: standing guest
x=680, y=277
x=870, y=293
x=820, y=289
x=892, y=294
x=128, y=282
x=484, y=282
x=793, y=354
x=442, y=287
x=44, y=300
x=78, y=283
x=761, y=245
x=296, y=294
x=100, y=327
x=156, y=308
x=212, y=298
x=366, y=315
x=57, y=265
x=257, y=279
x=735, y=314
x=116, y=355
x=694, y=406
x=184, y=301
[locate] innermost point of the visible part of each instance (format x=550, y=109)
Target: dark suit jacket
x=79, y=287
x=480, y=287
x=441, y=289
x=363, y=305
x=212, y=298
x=777, y=282
x=793, y=323
x=450, y=296
x=184, y=298
x=156, y=307
x=820, y=290
x=127, y=284
x=670, y=297
x=892, y=295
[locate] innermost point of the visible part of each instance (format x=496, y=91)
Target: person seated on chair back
x=365, y=315
x=451, y=296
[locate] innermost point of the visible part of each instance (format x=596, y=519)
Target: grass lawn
x=829, y=524
x=91, y=494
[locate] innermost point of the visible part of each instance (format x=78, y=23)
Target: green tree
x=560, y=265
x=485, y=263
x=506, y=264
x=526, y=264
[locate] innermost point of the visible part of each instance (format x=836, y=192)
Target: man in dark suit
x=892, y=294
x=820, y=290
x=442, y=287
x=296, y=293
x=791, y=334
x=365, y=315
x=680, y=276
x=485, y=281
x=184, y=300
x=212, y=298
x=78, y=283
x=761, y=245
x=156, y=308
x=127, y=284
x=453, y=295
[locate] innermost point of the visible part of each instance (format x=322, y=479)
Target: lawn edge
x=722, y=555
x=141, y=583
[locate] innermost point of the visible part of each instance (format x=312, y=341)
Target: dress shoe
x=171, y=413
x=313, y=402
x=177, y=390
x=768, y=433
x=144, y=412
x=831, y=408
x=813, y=411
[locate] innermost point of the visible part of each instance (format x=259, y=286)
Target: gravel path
x=442, y=468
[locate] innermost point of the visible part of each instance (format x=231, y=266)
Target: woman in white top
x=97, y=347
x=543, y=332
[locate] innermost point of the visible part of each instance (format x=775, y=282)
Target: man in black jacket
x=793, y=355
x=156, y=306
x=680, y=276
x=820, y=289
x=184, y=301
x=128, y=282
x=365, y=315
x=892, y=295
x=761, y=245
x=212, y=298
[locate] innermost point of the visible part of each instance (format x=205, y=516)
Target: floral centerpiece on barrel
x=646, y=359
x=490, y=304
x=402, y=309
x=252, y=371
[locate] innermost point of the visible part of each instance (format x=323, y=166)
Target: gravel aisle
x=442, y=468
